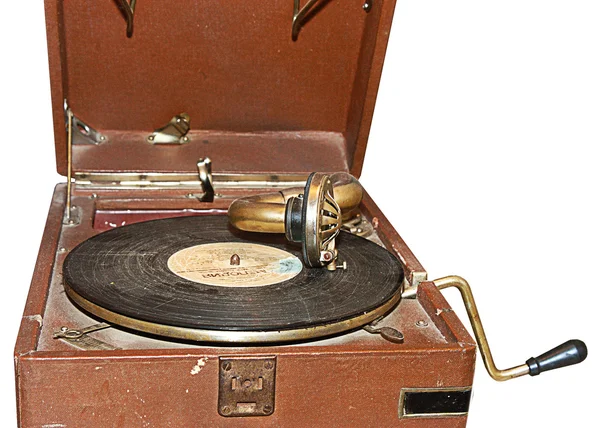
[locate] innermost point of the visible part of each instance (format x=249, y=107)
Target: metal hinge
x=190, y=180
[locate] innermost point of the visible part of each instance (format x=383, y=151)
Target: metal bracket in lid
x=301, y=14
x=81, y=132
x=174, y=132
x=128, y=9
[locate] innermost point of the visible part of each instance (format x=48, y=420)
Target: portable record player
x=194, y=269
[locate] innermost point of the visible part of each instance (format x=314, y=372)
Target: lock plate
x=247, y=386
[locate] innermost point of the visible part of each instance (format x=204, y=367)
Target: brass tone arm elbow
x=261, y=213
x=266, y=212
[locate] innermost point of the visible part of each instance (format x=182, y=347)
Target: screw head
x=227, y=366
x=421, y=323
x=225, y=410
x=267, y=408
x=268, y=365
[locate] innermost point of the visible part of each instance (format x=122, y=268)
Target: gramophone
x=149, y=304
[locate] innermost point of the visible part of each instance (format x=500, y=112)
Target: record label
x=234, y=264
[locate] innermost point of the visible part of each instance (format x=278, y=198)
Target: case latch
x=247, y=386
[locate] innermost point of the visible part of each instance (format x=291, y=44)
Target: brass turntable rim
x=234, y=336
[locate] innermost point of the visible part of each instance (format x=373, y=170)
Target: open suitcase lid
x=258, y=101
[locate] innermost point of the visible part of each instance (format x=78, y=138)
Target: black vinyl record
x=126, y=271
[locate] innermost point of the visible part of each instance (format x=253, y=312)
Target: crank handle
x=569, y=353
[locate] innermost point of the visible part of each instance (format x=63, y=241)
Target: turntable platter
x=197, y=278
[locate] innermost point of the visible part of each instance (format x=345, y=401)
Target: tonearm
x=311, y=215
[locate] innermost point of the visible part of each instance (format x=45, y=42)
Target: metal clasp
x=80, y=339
x=247, y=386
x=388, y=333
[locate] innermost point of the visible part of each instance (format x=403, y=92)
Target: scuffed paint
x=198, y=367
x=37, y=318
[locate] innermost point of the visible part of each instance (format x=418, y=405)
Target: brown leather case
x=260, y=103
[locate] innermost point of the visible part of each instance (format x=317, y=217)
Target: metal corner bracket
x=174, y=132
x=82, y=133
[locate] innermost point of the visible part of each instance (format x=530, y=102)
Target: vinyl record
x=178, y=276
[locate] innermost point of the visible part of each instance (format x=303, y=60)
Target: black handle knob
x=569, y=353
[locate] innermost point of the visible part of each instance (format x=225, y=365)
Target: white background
x=483, y=154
